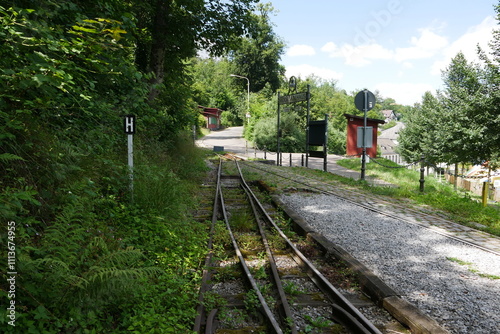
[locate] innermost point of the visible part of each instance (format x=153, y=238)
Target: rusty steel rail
x=343, y=311
x=205, y=319
x=284, y=305
x=270, y=319
x=200, y=309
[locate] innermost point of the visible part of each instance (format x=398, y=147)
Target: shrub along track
x=257, y=279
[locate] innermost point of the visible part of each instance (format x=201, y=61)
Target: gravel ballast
x=450, y=281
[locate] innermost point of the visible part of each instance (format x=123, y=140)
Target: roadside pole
x=365, y=110
x=364, y=101
x=422, y=173
x=129, y=127
x=278, y=134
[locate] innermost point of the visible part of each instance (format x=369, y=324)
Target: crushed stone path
x=421, y=215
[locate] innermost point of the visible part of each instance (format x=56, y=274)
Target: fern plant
x=74, y=271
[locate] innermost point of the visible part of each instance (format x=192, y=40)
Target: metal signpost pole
x=291, y=99
x=307, y=125
x=422, y=175
x=131, y=161
x=278, y=133
x=130, y=130
x=325, y=146
x=364, y=101
x=363, y=158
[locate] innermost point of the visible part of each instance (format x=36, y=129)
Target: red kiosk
x=212, y=116
x=355, y=135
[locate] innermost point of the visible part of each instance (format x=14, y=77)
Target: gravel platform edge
x=373, y=286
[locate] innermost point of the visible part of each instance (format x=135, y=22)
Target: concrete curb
x=382, y=294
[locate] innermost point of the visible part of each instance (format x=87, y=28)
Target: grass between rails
x=461, y=206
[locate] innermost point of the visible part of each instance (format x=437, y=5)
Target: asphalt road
x=231, y=140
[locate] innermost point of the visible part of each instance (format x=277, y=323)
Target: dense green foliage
x=460, y=123
x=258, y=56
x=101, y=264
x=254, y=65
x=89, y=256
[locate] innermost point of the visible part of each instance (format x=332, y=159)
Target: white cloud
x=467, y=43
x=429, y=40
x=305, y=70
x=357, y=56
x=404, y=93
x=427, y=45
x=330, y=48
x=301, y=50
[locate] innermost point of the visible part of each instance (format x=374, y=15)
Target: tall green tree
x=63, y=91
x=489, y=104
x=422, y=133
x=450, y=127
x=258, y=54
x=213, y=86
x=463, y=122
x=469, y=116
x=173, y=31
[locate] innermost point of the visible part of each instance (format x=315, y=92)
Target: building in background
x=355, y=135
x=212, y=117
x=388, y=141
x=389, y=115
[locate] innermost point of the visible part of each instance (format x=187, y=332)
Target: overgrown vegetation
x=459, y=124
x=88, y=256
x=102, y=264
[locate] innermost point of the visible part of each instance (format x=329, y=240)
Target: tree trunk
x=158, y=46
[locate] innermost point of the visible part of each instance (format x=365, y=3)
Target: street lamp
x=248, y=91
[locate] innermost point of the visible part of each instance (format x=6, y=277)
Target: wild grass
x=165, y=178
x=242, y=221
x=94, y=261
x=470, y=268
x=461, y=206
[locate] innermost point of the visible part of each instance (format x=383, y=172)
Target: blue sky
x=398, y=47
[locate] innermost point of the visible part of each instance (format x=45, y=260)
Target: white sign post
x=129, y=126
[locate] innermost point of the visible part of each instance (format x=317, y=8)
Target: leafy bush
x=265, y=134
x=337, y=140
x=103, y=264
x=292, y=139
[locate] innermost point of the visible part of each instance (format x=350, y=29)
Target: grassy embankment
x=461, y=206
x=99, y=263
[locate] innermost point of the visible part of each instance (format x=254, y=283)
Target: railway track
x=368, y=202
x=420, y=321
x=257, y=280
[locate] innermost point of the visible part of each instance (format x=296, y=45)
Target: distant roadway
x=231, y=140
